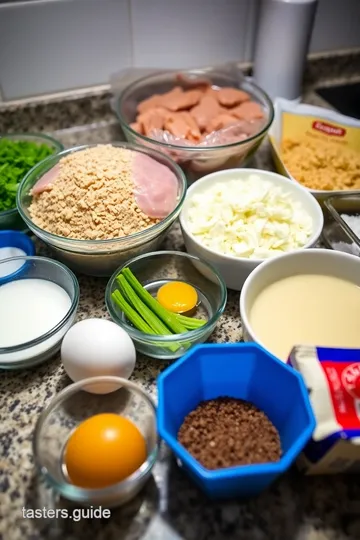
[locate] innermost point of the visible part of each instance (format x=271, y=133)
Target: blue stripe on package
x=332, y=377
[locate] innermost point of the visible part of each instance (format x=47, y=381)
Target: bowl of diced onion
x=235, y=219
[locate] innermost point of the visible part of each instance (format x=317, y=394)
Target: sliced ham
x=183, y=100
x=229, y=97
x=156, y=187
x=249, y=110
x=220, y=122
x=207, y=109
x=44, y=183
x=152, y=119
x=149, y=103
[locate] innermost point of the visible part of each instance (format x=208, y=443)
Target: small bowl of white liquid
x=37, y=308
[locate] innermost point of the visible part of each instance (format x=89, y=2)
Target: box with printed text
x=332, y=377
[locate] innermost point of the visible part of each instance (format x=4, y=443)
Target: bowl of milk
x=37, y=307
x=309, y=297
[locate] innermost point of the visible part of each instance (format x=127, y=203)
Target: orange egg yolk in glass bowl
x=96, y=442
x=103, y=450
x=178, y=297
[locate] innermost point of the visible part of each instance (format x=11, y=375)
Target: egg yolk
x=177, y=296
x=103, y=450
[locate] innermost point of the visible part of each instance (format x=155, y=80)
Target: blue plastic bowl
x=15, y=239
x=241, y=370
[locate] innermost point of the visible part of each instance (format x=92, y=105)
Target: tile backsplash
x=337, y=25
x=54, y=45
x=188, y=32
x=50, y=46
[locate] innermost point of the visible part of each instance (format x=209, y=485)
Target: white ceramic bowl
x=310, y=261
x=235, y=270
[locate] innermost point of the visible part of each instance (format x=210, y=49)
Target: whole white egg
x=96, y=347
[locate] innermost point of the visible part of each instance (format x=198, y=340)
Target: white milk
x=29, y=308
x=11, y=266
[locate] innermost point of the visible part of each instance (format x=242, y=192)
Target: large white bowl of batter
x=307, y=297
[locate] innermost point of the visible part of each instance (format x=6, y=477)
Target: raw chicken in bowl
x=205, y=120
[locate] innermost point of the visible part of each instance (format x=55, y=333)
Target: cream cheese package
x=332, y=377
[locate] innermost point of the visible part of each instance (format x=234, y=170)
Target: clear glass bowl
x=195, y=162
x=45, y=346
x=72, y=406
x=10, y=219
x=155, y=269
x=336, y=233
x=100, y=257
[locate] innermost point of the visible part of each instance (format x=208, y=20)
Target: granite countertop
x=170, y=506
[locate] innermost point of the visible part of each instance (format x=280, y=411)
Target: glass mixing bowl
x=45, y=346
x=195, y=161
x=100, y=257
x=155, y=269
x=10, y=219
x=73, y=405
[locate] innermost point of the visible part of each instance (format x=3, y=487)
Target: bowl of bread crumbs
x=96, y=206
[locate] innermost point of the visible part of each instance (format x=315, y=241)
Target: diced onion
x=250, y=218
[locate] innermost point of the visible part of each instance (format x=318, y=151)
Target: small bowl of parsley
x=19, y=152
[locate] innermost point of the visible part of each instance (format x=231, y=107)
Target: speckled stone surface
x=170, y=507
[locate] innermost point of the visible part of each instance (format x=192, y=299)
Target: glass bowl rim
x=86, y=493
x=62, y=322
x=29, y=135
x=158, y=227
x=191, y=334
x=191, y=149
x=33, y=135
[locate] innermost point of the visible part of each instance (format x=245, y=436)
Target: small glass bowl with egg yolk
x=96, y=443
x=181, y=283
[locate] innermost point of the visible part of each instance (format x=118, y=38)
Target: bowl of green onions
x=167, y=301
x=19, y=153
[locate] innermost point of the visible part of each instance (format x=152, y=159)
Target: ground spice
x=92, y=197
x=225, y=432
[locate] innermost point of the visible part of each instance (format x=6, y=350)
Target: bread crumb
x=321, y=165
x=92, y=197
